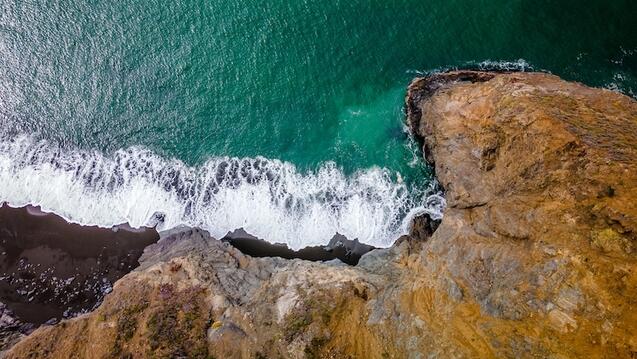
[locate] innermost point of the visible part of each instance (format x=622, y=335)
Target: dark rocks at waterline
x=352, y=247
x=51, y=269
x=346, y=250
x=423, y=227
x=11, y=328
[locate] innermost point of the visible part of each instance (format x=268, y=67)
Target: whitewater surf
x=268, y=198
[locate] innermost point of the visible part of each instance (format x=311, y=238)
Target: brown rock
x=541, y=180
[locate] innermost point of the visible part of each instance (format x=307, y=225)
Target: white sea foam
x=268, y=198
x=486, y=65
x=620, y=84
x=517, y=65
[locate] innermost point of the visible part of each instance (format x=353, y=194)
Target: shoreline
x=53, y=269
x=270, y=198
x=532, y=257
x=339, y=248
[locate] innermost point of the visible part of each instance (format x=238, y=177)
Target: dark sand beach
x=51, y=269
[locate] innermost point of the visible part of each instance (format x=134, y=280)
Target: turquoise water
x=308, y=83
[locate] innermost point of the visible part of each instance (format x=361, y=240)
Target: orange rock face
x=536, y=255
x=540, y=230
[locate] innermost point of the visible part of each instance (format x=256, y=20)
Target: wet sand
x=51, y=269
x=347, y=251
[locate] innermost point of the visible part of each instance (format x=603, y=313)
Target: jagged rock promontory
x=536, y=255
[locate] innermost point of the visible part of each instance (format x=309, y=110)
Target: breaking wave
x=486, y=65
x=268, y=198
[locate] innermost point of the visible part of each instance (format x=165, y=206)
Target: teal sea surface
x=283, y=117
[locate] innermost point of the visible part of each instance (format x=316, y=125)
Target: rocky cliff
x=535, y=257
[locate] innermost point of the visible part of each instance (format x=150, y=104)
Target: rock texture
x=536, y=255
x=11, y=329
x=197, y=297
x=541, y=226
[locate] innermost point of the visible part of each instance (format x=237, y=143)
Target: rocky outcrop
x=540, y=230
x=535, y=256
x=197, y=297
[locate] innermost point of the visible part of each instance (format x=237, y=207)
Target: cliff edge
x=536, y=255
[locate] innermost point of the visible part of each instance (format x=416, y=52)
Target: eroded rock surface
x=536, y=255
x=540, y=230
x=195, y=296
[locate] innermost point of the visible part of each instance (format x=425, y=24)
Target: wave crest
x=268, y=198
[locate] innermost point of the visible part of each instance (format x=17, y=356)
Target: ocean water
x=281, y=117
